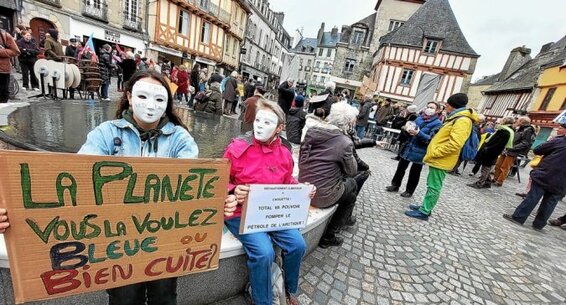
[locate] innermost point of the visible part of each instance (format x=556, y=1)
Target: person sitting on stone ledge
x=262, y=158
x=327, y=160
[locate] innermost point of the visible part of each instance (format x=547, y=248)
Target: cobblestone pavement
x=465, y=254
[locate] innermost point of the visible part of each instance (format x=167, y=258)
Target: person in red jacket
x=8, y=49
x=183, y=83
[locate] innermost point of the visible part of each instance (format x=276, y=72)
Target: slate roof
x=369, y=20
x=329, y=41
x=306, y=42
x=526, y=76
x=488, y=80
x=434, y=19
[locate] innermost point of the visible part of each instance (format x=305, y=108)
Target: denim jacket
x=121, y=138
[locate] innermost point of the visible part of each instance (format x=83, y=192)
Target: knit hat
x=412, y=109
x=458, y=100
x=299, y=100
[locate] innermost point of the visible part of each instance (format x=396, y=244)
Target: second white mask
x=149, y=101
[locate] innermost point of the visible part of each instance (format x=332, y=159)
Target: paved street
x=465, y=254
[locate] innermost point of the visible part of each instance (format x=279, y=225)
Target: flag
x=89, y=44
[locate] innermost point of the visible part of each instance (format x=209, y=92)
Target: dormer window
x=431, y=46
x=358, y=37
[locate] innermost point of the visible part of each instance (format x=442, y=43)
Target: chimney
x=334, y=31
x=320, y=33
x=518, y=57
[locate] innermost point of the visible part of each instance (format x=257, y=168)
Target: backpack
x=470, y=149
x=200, y=96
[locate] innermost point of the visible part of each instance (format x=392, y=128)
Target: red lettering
x=148, y=269
x=202, y=261
x=101, y=276
x=123, y=274
x=86, y=276
x=60, y=281
x=169, y=266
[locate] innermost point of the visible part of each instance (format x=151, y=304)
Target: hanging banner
x=82, y=223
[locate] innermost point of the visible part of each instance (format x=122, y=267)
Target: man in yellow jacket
x=444, y=150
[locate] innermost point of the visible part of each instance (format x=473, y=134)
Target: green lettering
x=99, y=181
x=152, y=181
x=129, y=197
x=44, y=235
x=166, y=189
x=201, y=172
x=194, y=217
x=209, y=186
x=72, y=188
x=91, y=255
x=187, y=188
x=25, y=182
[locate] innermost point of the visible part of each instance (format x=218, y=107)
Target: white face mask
x=149, y=101
x=265, y=125
x=429, y=111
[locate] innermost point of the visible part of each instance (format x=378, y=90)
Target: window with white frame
x=235, y=47
x=227, y=48
x=349, y=65
x=131, y=9
x=431, y=46
x=320, y=50
x=328, y=52
x=393, y=24
x=358, y=37
x=184, y=19
x=407, y=77
x=205, y=33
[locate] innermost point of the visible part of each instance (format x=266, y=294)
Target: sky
x=492, y=27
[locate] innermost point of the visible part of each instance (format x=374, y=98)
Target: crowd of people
x=328, y=130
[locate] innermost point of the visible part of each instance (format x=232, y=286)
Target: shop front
x=106, y=35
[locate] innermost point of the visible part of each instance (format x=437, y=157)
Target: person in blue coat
x=427, y=124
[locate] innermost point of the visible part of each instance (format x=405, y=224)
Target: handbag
x=535, y=161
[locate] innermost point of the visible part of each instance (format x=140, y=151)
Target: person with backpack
x=455, y=137
x=491, y=149
x=420, y=133
x=8, y=50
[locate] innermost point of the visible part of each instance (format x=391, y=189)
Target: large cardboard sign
x=274, y=207
x=85, y=223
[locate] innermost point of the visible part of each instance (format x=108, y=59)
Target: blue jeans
x=104, y=90
x=360, y=131
x=259, y=248
x=549, y=201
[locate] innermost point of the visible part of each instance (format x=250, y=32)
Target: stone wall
x=363, y=62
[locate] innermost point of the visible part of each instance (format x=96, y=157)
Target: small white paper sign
x=275, y=207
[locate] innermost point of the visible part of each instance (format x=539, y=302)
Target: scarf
x=149, y=135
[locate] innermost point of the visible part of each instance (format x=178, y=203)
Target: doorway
x=39, y=27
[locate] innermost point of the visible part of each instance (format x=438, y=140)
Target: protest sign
x=84, y=223
x=275, y=207
x=561, y=118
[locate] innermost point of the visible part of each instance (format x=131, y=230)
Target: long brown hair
x=170, y=111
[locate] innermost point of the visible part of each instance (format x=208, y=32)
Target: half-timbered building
x=428, y=56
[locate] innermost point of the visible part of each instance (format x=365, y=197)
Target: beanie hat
x=412, y=109
x=458, y=100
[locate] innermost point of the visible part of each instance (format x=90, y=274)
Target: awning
x=166, y=50
x=205, y=61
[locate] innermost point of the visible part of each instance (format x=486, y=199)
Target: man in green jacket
x=444, y=150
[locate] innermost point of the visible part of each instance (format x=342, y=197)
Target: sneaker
x=537, y=229
x=522, y=195
x=26, y=88
x=479, y=186
x=415, y=207
x=396, y=158
x=406, y=195
x=471, y=174
x=291, y=299
x=417, y=214
x=555, y=222
x=334, y=241
x=511, y=219
x=392, y=188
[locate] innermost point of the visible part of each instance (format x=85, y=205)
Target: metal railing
x=94, y=10
x=212, y=9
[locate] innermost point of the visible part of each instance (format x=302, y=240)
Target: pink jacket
x=254, y=163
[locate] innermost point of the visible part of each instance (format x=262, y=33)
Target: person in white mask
x=420, y=131
x=261, y=158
